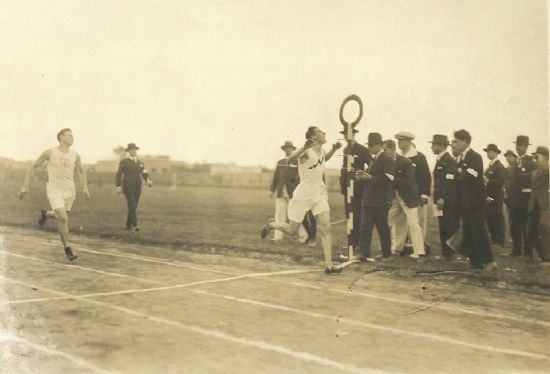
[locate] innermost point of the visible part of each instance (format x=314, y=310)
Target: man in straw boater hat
x=284, y=182
x=62, y=163
x=128, y=181
x=538, y=224
x=472, y=196
x=445, y=194
x=311, y=193
x=495, y=179
x=520, y=188
x=376, y=200
x=361, y=160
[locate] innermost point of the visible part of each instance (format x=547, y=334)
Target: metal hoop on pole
x=357, y=99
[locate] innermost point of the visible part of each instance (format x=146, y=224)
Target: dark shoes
x=70, y=255
x=266, y=229
x=43, y=218
x=333, y=270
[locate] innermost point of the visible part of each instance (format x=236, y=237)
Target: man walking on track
x=377, y=197
x=445, y=196
x=471, y=190
x=311, y=193
x=495, y=178
x=128, y=181
x=62, y=163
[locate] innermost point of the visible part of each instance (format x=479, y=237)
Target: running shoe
x=266, y=229
x=43, y=218
x=70, y=255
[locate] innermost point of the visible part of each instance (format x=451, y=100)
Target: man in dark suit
x=445, y=194
x=495, y=178
x=376, y=200
x=128, y=181
x=361, y=159
x=520, y=189
x=421, y=174
x=403, y=214
x=471, y=190
x=538, y=224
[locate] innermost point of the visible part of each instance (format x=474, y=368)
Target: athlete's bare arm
x=81, y=173
x=300, y=153
x=45, y=156
x=336, y=146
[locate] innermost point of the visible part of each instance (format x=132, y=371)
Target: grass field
x=227, y=221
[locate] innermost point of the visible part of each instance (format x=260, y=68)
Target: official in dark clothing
x=361, y=159
x=495, y=178
x=472, y=197
x=376, y=199
x=445, y=193
x=128, y=180
x=520, y=189
x=538, y=224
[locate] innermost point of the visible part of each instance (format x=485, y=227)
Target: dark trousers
x=132, y=194
x=310, y=224
x=448, y=224
x=476, y=238
x=518, y=230
x=375, y=216
x=495, y=222
x=355, y=208
x=538, y=233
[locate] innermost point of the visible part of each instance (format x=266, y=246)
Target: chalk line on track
x=302, y=356
x=8, y=337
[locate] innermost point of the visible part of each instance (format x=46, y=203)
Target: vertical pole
x=349, y=168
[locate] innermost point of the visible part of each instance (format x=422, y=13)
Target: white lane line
x=339, y=221
x=8, y=337
x=299, y=355
x=378, y=327
x=447, y=308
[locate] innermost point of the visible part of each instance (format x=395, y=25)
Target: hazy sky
x=232, y=80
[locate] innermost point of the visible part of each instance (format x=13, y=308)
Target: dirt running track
x=135, y=309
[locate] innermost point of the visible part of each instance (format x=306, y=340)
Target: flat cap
x=405, y=135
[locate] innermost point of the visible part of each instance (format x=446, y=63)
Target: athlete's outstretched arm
x=81, y=173
x=297, y=154
x=45, y=156
x=336, y=146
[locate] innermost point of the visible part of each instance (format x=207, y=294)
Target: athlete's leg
x=288, y=228
x=63, y=226
x=323, y=227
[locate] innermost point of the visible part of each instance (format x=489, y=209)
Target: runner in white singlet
x=60, y=189
x=311, y=193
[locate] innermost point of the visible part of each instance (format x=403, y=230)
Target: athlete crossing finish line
x=311, y=193
x=60, y=189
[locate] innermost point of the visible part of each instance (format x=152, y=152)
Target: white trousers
x=281, y=207
x=403, y=219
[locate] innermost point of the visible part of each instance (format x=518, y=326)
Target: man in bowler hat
x=128, y=181
x=495, y=178
x=518, y=198
x=376, y=199
x=445, y=193
x=472, y=196
x=361, y=159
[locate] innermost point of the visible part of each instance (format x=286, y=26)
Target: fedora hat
x=288, y=144
x=493, y=148
x=375, y=138
x=131, y=146
x=522, y=140
x=510, y=153
x=440, y=139
x=541, y=151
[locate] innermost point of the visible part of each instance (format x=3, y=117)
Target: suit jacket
x=422, y=173
x=285, y=175
x=496, y=175
x=445, y=181
x=470, y=185
x=378, y=191
x=130, y=172
x=520, y=182
x=405, y=182
x=539, y=190
x=361, y=161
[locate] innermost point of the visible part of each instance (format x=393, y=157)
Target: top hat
x=375, y=138
x=288, y=144
x=405, y=135
x=510, y=153
x=492, y=147
x=541, y=151
x=522, y=140
x=131, y=146
x=440, y=139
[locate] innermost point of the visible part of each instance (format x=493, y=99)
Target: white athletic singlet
x=311, y=174
x=61, y=171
